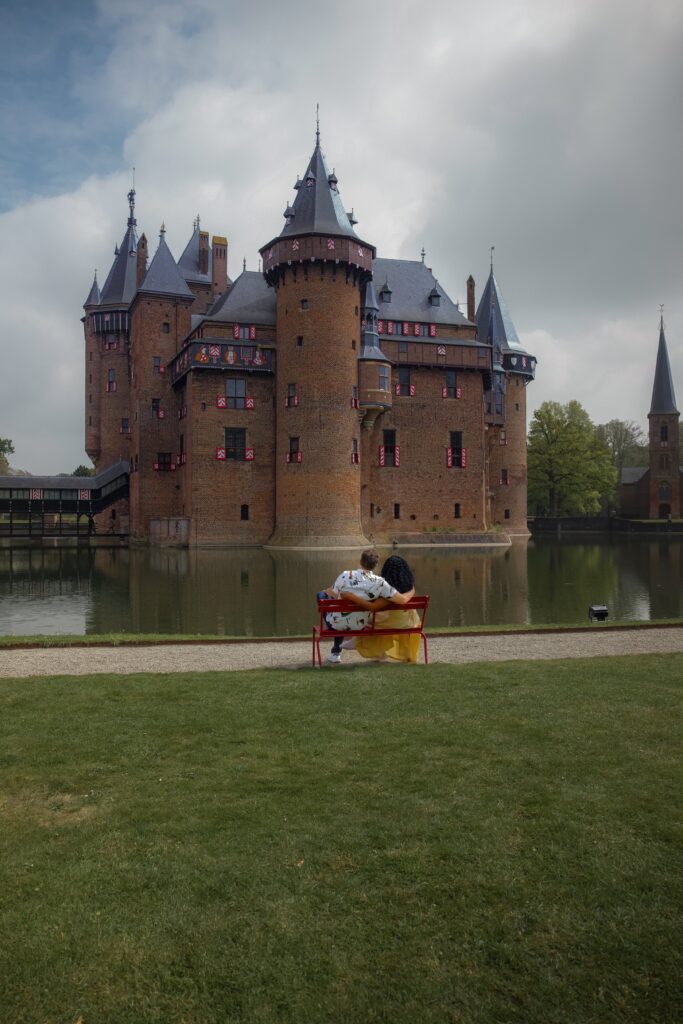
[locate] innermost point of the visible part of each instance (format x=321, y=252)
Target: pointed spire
x=119, y=287
x=494, y=323
x=164, y=276
x=317, y=125
x=663, y=397
x=317, y=206
x=423, y=254
x=93, y=295
x=162, y=230
x=244, y=264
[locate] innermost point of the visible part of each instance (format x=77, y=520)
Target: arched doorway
x=664, y=499
x=664, y=511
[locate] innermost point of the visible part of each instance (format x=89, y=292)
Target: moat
x=257, y=592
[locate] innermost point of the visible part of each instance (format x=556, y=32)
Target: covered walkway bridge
x=59, y=506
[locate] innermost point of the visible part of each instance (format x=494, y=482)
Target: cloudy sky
x=550, y=130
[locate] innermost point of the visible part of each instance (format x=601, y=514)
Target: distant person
x=363, y=587
x=399, y=647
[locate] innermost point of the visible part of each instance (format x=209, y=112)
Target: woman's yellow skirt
x=397, y=647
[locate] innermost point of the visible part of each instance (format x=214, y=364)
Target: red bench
x=323, y=632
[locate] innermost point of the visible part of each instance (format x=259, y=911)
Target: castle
x=333, y=398
x=654, y=491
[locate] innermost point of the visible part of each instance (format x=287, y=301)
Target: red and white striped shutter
x=172, y=467
x=397, y=389
x=380, y=326
x=296, y=401
x=458, y=392
x=162, y=368
x=249, y=403
x=236, y=332
x=416, y=330
x=390, y=327
x=397, y=455
x=412, y=391
x=161, y=414
x=252, y=332
x=449, y=458
x=432, y=330
x=36, y=494
x=406, y=327
x=381, y=455
x=155, y=465
x=288, y=456
x=463, y=461
x=299, y=456
x=248, y=454
x=220, y=454
x=221, y=402
x=83, y=495
x=444, y=392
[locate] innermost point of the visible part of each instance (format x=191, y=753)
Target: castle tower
x=505, y=411
x=318, y=266
x=374, y=368
x=665, y=487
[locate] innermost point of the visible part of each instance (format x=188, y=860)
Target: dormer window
x=434, y=297
x=385, y=294
x=310, y=181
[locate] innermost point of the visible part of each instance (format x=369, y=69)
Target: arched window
x=664, y=491
x=664, y=432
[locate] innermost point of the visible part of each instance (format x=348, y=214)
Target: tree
x=6, y=448
x=570, y=469
x=83, y=471
x=624, y=438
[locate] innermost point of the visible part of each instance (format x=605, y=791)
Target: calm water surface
x=255, y=592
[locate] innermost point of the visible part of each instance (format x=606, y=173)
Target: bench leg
x=313, y=651
x=424, y=640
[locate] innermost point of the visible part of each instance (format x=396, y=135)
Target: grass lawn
x=486, y=843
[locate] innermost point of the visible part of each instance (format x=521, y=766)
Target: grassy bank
x=488, y=843
x=133, y=639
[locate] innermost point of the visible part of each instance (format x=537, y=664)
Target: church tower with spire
x=663, y=418
x=318, y=267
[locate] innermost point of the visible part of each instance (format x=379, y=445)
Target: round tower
x=318, y=266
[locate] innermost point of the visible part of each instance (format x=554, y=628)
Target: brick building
x=655, y=491
x=333, y=398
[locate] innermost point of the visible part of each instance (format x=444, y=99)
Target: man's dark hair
x=398, y=574
x=369, y=558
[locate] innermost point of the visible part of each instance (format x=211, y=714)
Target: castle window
x=397, y=511
x=384, y=378
x=156, y=406
x=506, y=513
x=236, y=392
x=292, y=399
x=499, y=402
x=451, y=384
x=403, y=387
x=294, y=454
x=458, y=453
x=664, y=461
x=664, y=433
x=664, y=491
x=90, y=421
x=300, y=341
x=111, y=380
x=156, y=364
x=163, y=462
x=390, y=448
x=457, y=511
x=372, y=510
x=516, y=406
x=125, y=426
x=235, y=443
x=354, y=396
x=304, y=303
x=504, y=477
x=166, y=328
x=89, y=399
x=355, y=454
x=385, y=294
x=353, y=344
x=244, y=514
x=403, y=348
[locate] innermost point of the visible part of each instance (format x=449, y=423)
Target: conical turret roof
x=164, y=276
x=663, y=397
x=119, y=288
x=317, y=207
x=494, y=323
x=189, y=261
x=93, y=295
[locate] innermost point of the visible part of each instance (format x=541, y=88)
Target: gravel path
x=234, y=656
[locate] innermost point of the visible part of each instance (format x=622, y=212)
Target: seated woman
x=398, y=573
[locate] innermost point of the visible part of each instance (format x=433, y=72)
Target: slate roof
x=663, y=397
x=250, y=300
x=494, y=323
x=93, y=295
x=189, y=261
x=317, y=208
x=411, y=283
x=120, y=286
x=632, y=474
x=163, y=276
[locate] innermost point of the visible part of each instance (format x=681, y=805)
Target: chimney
x=203, y=252
x=219, y=264
x=471, y=311
x=141, y=261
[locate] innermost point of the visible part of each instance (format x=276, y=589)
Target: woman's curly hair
x=398, y=574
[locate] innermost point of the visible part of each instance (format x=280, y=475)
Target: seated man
x=363, y=587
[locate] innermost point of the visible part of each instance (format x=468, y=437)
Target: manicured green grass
x=486, y=843
x=131, y=639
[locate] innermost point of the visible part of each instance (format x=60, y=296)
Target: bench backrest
x=340, y=604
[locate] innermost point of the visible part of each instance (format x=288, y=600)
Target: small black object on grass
x=598, y=612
